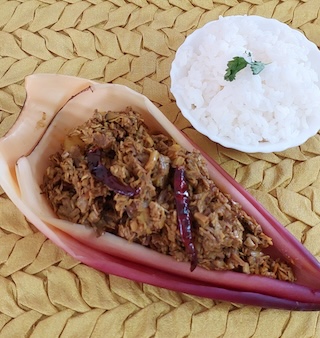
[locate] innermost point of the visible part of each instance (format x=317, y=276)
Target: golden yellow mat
x=46, y=293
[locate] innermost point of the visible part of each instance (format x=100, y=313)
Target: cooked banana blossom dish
x=100, y=171
x=114, y=176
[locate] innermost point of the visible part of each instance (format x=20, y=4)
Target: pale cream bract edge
x=270, y=24
x=67, y=102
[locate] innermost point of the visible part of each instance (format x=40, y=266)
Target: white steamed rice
x=270, y=107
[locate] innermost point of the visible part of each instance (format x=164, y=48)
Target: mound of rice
x=273, y=106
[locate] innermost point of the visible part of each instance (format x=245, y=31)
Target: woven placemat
x=46, y=293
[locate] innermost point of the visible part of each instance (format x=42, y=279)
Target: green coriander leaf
x=234, y=66
x=256, y=67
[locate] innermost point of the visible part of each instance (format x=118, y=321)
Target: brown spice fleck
x=42, y=122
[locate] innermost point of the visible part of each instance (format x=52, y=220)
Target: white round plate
x=197, y=42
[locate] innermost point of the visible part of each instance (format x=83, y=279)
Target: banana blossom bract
x=55, y=104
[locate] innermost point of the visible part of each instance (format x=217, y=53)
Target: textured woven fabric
x=46, y=293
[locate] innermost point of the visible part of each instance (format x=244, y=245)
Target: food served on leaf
x=114, y=176
x=65, y=110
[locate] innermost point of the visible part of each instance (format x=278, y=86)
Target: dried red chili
x=102, y=174
x=183, y=214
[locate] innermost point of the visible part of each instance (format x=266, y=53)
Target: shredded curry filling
x=224, y=236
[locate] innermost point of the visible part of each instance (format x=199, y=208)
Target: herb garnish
x=238, y=63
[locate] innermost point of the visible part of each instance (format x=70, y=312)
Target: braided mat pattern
x=46, y=293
